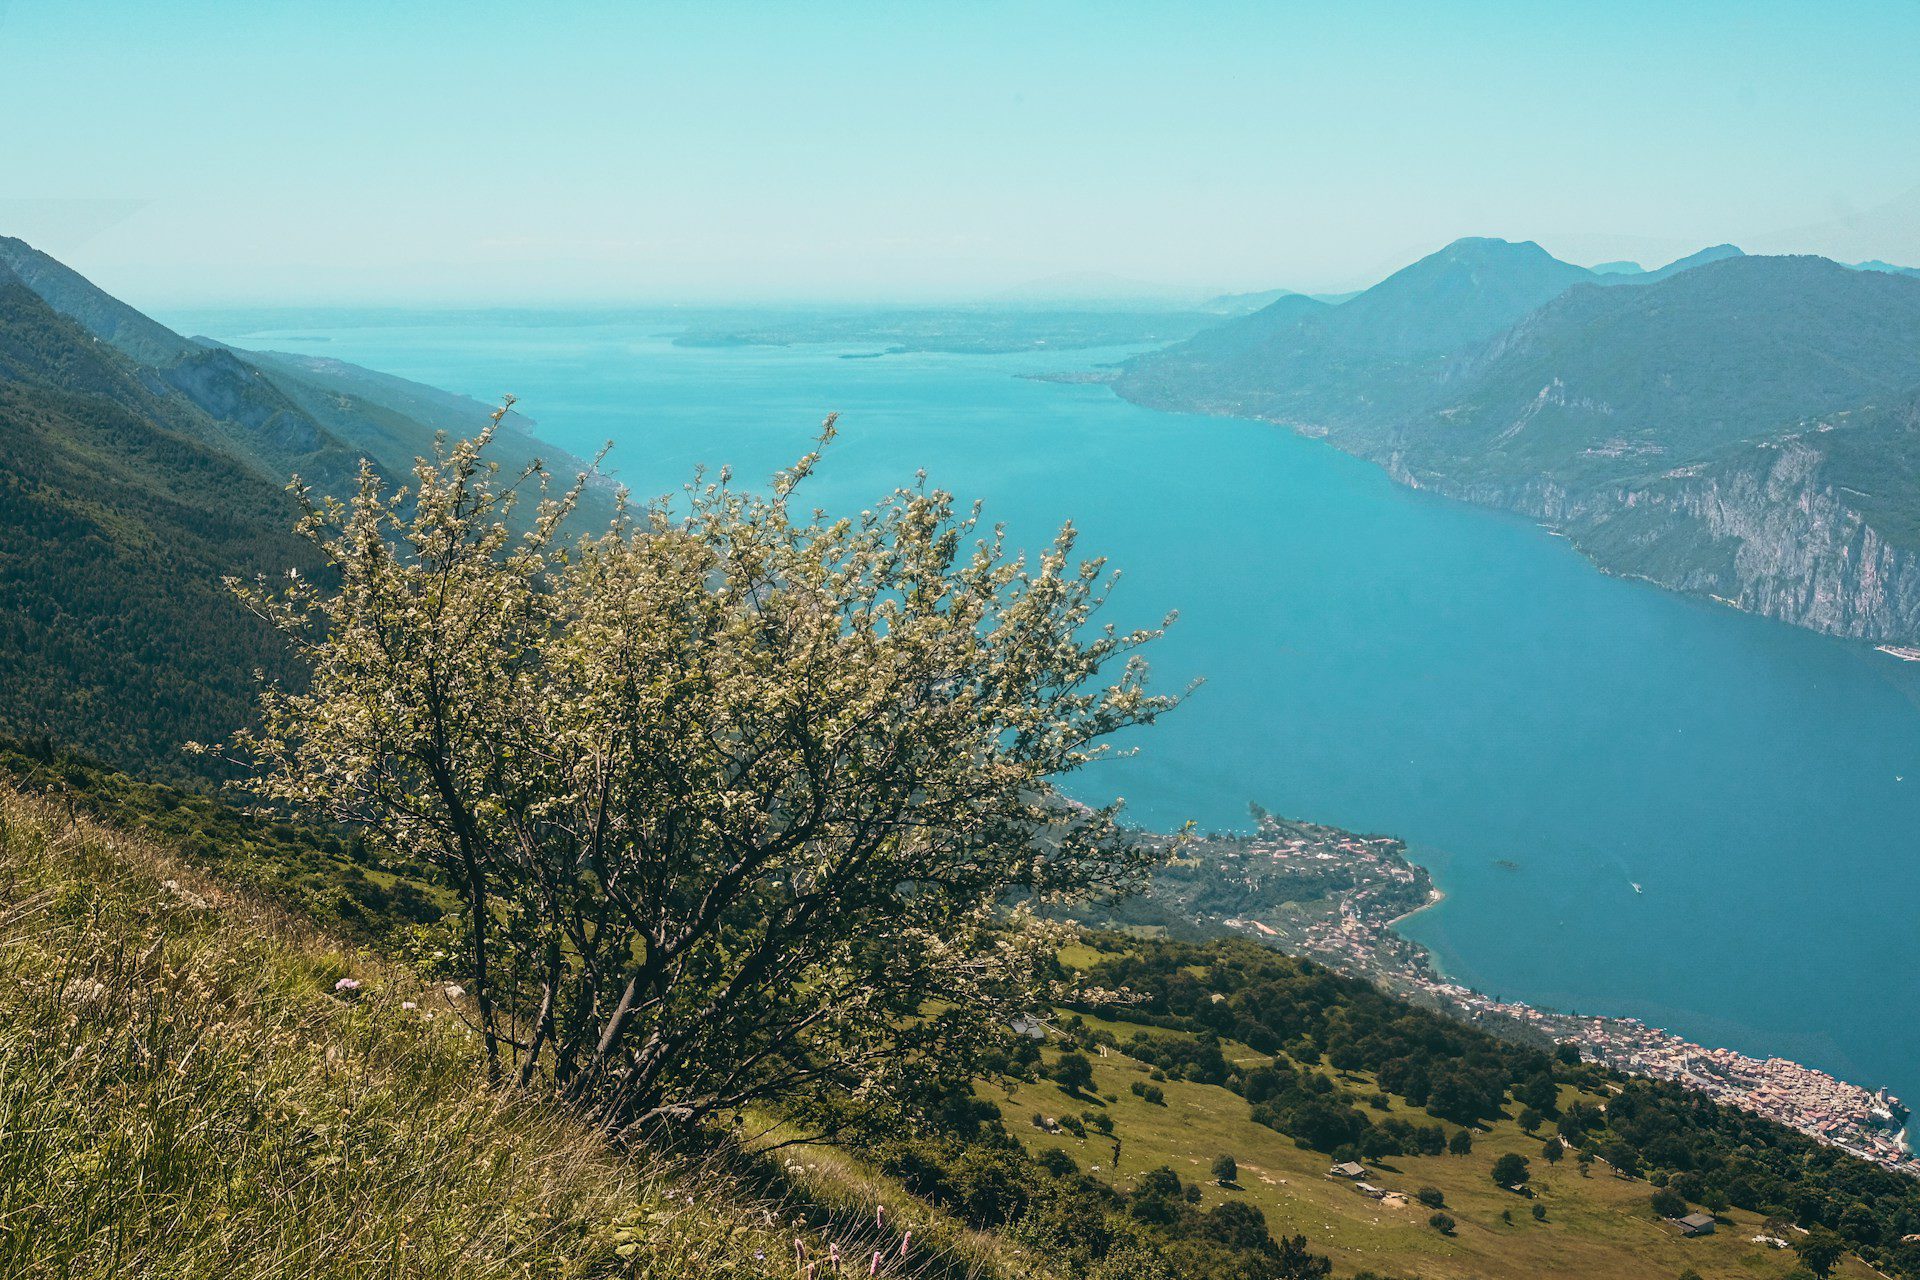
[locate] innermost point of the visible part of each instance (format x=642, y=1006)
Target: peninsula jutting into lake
x=1335, y=897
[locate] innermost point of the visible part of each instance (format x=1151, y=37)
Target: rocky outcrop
x=1767, y=532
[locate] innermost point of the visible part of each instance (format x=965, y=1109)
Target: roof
x=1697, y=1222
x=1350, y=1169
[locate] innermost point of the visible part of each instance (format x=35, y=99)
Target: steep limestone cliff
x=1772, y=530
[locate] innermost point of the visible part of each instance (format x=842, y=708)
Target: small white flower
x=347, y=985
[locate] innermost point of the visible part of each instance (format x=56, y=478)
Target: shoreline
x=1438, y=896
x=1867, y=1123
x=1351, y=891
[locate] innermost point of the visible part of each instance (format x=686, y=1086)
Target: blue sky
x=212, y=151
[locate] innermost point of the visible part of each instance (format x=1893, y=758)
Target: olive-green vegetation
x=324, y=874
x=1241, y=1040
x=195, y=1084
x=117, y=524
x=728, y=793
x=137, y=469
x=274, y=1116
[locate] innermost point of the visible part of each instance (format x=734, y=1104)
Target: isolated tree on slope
x=734, y=794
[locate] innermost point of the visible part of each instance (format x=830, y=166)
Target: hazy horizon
x=481, y=154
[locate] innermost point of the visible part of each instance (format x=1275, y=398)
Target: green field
x=1596, y=1226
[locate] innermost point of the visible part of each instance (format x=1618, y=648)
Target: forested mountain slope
x=138, y=469
x=1678, y=425
x=118, y=519
x=284, y=405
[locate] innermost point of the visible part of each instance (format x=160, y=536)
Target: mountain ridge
x=312, y=415
x=130, y=487
x=1586, y=409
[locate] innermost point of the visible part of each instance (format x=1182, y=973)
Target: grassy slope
x=181, y=1094
x=214, y=1095
x=1597, y=1226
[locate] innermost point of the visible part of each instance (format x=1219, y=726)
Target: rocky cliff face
x=1769, y=532
x=1747, y=429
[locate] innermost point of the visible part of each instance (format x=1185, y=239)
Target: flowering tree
x=737, y=798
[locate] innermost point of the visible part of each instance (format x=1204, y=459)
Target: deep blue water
x=1375, y=658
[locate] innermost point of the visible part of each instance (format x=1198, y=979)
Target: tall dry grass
x=189, y=1089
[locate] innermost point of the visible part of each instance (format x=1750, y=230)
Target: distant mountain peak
x=1500, y=242
x=1713, y=253
x=1492, y=247
x=1876, y=264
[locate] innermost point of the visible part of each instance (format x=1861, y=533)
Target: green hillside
x=1603, y=384
x=1022, y=1182
x=1597, y=1223
x=1174, y=1092
x=277, y=409
x=112, y=321
x=138, y=469
x=117, y=522
x=1367, y=359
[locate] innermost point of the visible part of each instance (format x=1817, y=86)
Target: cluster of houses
x=1866, y=1123
x=1358, y=937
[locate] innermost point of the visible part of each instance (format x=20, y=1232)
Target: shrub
x=1239, y=1225
x=1668, y=1204
x=1442, y=1222
x=1152, y=1093
x=823, y=734
x=1073, y=1072
x=1510, y=1170
x=1058, y=1163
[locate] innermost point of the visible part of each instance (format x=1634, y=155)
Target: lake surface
x=1542, y=735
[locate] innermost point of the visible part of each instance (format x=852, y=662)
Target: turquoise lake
x=1542, y=735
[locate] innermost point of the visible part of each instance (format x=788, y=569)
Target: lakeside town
x=1334, y=897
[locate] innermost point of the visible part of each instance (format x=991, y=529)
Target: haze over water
x=1542, y=735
